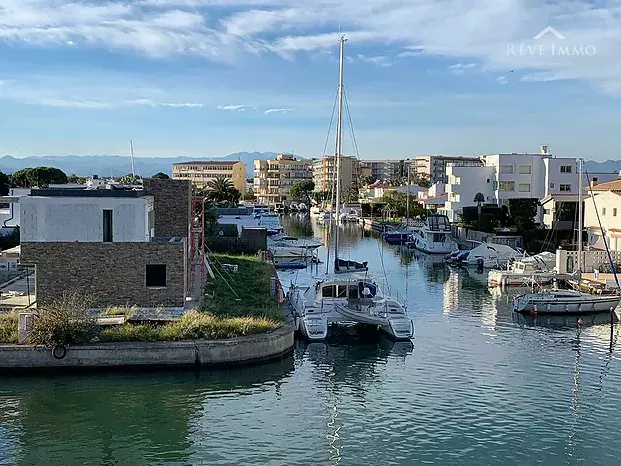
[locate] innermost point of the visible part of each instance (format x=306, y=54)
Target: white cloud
x=460, y=68
x=501, y=80
x=225, y=30
x=238, y=108
x=277, y=110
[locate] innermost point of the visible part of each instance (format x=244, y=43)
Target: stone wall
x=110, y=273
x=171, y=205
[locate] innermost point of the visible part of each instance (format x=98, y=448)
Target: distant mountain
x=117, y=165
x=609, y=166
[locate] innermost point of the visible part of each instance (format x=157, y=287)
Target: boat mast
x=339, y=147
x=131, y=151
x=580, y=187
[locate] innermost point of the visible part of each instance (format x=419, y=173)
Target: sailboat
x=569, y=301
x=346, y=300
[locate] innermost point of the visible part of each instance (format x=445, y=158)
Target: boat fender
x=59, y=352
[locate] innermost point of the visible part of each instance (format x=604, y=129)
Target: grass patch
x=251, y=283
x=127, y=311
x=193, y=325
x=8, y=328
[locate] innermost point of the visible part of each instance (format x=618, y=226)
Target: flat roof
x=209, y=162
x=83, y=192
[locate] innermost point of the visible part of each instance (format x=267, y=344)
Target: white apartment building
x=324, y=173
x=509, y=176
x=433, y=198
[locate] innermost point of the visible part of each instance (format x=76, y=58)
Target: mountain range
x=117, y=165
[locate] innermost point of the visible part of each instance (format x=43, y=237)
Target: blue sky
x=210, y=77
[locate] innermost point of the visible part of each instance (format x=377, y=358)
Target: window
x=565, y=168
x=506, y=186
x=342, y=290
x=546, y=211
x=506, y=169
x=594, y=179
x=603, y=211
x=156, y=275
x=565, y=188
x=488, y=180
x=353, y=292
x=327, y=291
x=551, y=185
x=524, y=187
x=614, y=212
x=107, y=226
x=524, y=169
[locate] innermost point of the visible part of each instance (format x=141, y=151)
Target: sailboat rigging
x=337, y=300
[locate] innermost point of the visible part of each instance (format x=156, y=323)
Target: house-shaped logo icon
x=549, y=30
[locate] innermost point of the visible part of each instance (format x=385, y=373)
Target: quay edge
x=161, y=354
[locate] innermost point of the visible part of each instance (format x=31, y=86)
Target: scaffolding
x=197, y=238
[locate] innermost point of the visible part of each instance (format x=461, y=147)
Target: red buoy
x=580, y=323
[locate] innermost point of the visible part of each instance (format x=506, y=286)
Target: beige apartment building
x=324, y=173
x=273, y=179
x=201, y=172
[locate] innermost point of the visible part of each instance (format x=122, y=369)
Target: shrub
x=63, y=322
x=127, y=311
x=130, y=332
x=8, y=328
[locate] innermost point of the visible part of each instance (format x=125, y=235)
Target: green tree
x=221, y=191
x=161, y=176
x=396, y=203
x=73, y=178
x=4, y=184
x=129, y=179
x=320, y=196
x=366, y=180
x=421, y=180
x=40, y=177
x=523, y=213
x=303, y=190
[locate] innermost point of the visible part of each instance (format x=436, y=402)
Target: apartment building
x=202, y=172
x=324, y=173
x=500, y=177
x=434, y=166
x=273, y=179
x=392, y=170
x=607, y=197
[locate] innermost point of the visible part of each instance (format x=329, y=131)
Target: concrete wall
x=172, y=206
x=591, y=260
x=514, y=241
x=183, y=353
x=110, y=273
x=54, y=219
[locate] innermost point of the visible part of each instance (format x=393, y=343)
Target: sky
x=204, y=78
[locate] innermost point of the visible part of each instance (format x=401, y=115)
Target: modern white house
x=435, y=197
x=501, y=177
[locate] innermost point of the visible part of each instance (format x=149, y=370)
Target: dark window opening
x=327, y=291
x=353, y=292
x=156, y=275
x=107, y=226
x=342, y=291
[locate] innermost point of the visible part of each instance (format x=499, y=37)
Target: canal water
x=476, y=386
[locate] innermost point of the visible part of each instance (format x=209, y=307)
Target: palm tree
x=221, y=190
x=479, y=198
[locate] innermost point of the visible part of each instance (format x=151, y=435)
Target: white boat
x=565, y=302
x=271, y=221
x=533, y=270
x=260, y=209
x=351, y=216
x=288, y=246
x=334, y=301
x=293, y=207
x=338, y=300
x=434, y=237
x=569, y=301
x=315, y=210
x=487, y=255
x=302, y=207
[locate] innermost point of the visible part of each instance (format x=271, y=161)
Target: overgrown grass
x=127, y=311
x=245, y=293
x=193, y=325
x=8, y=328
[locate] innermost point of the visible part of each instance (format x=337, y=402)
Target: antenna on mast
x=131, y=150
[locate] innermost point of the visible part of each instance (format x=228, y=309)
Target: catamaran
x=346, y=300
x=569, y=301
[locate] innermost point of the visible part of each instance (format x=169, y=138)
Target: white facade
x=67, y=219
x=609, y=208
x=464, y=182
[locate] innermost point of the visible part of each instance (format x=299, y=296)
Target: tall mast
x=580, y=187
x=339, y=147
x=131, y=151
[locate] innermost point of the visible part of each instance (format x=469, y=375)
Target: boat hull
x=569, y=305
x=504, y=278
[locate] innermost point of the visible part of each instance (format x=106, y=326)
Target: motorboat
x=565, y=302
x=280, y=208
x=351, y=216
x=434, y=237
x=487, y=255
x=397, y=238
x=293, y=207
x=534, y=270
x=302, y=207
x=288, y=246
x=271, y=222
x=259, y=210
x=347, y=301
x=315, y=210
